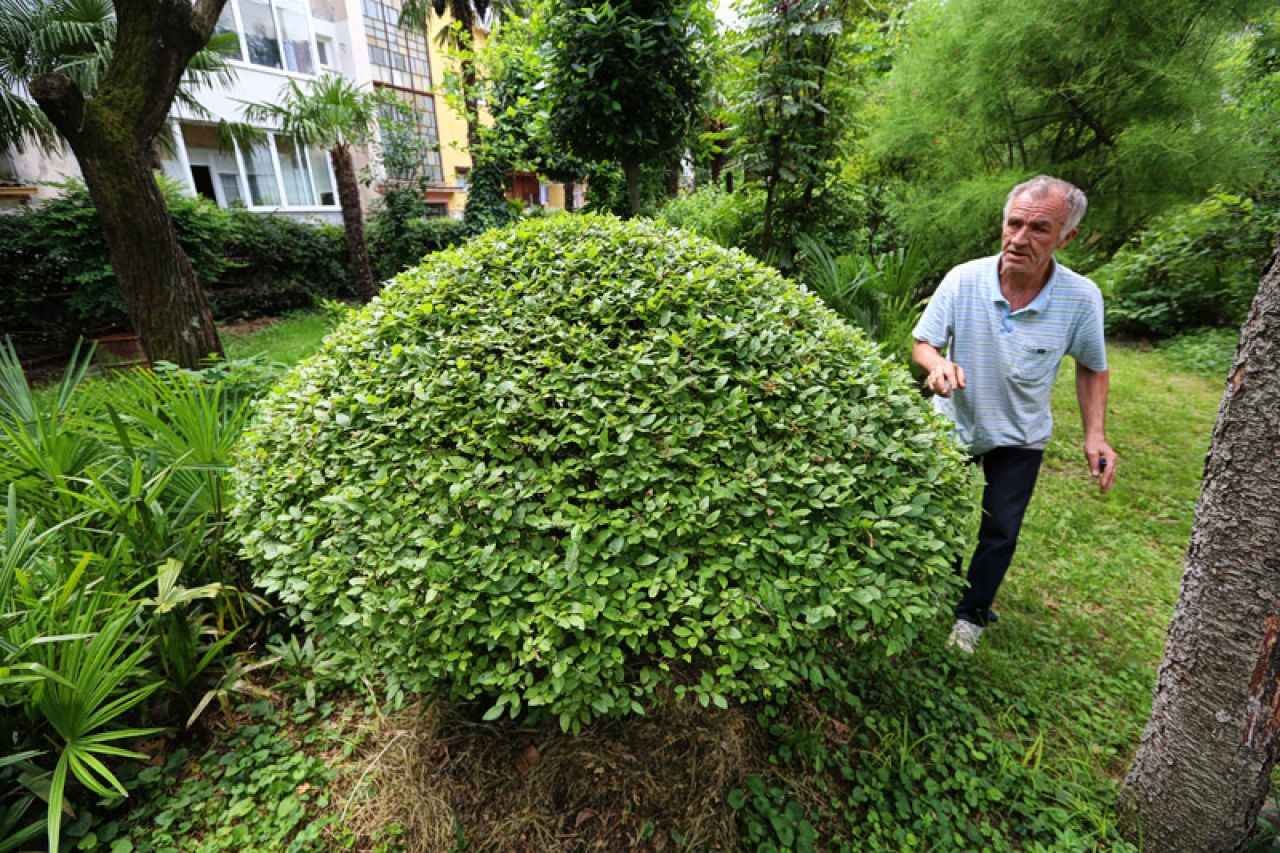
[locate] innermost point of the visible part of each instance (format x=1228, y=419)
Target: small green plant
x=578, y=459
x=265, y=787
x=306, y=666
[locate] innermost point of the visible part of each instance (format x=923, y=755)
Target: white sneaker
x=964, y=636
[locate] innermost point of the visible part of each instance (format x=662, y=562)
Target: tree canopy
x=625, y=79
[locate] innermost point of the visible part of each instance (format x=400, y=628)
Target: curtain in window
x=260, y=32
x=320, y=172
x=261, y=176
x=293, y=170
x=295, y=36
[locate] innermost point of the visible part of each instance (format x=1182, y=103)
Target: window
x=295, y=35
x=227, y=24
x=324, y=53
x=399, y=57
x=410, y=140
x=261, y=174
x=274, y=33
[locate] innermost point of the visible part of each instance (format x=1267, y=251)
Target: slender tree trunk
x=632, y=171
x=673, y=180
x=353, y=222
x=112, y=132
x=728, y=181
x=1204, y=764
x=568, y=196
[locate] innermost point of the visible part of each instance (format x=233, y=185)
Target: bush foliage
x=402, y=230
x=580, y=459
x=1196, y=266
x=59, y=283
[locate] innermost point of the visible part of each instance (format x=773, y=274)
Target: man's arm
x=1091, y=392
x=943, y=374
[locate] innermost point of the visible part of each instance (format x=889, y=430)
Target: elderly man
x=1005, y=323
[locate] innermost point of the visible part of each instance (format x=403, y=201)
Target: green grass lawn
x=286, y=340
x=1088, y=599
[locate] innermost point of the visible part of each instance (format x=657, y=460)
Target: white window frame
x=242, y=176
x=275, y=19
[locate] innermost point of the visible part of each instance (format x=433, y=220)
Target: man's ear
x=1071, y=235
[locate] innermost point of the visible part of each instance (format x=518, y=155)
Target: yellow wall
x=451, y=126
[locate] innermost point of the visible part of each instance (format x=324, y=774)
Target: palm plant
x=336, y=115
x=876, y=293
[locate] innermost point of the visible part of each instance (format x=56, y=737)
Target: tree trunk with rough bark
x=631, y=170
x=112, y=132
x=353, y=222
x=1203, y=767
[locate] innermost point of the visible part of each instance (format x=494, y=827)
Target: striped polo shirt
x=1010, y=359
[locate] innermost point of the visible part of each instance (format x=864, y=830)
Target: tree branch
x=205, y=15
x=61, y=100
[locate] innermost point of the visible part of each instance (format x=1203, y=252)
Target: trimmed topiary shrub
x=579, y=459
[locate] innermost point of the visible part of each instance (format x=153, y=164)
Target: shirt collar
x=1037, y=305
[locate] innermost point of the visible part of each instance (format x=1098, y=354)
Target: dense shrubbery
x=277, y=264
x=1196, y=266
x=736, y=220
x=59, y=282
x=402, y=230
x=731, y=219
x=579, y=459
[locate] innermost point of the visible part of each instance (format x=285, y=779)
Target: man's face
x=1032, y=232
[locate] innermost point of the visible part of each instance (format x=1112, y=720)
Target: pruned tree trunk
x=631, y=170
x=1204, y=764
x=344, y=172
x=112, y=135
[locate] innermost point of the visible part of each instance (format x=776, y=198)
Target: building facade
x=284, y=41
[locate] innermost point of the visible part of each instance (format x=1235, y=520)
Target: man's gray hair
x=1041, y=186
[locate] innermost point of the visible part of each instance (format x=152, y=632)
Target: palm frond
x=209, y=67
x=22, y=124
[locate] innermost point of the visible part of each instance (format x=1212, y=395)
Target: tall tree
x=1204, y=764
x=333, y=114
x=625, y=80
x=104, y=75
x=792, y=105
x=1121, y=97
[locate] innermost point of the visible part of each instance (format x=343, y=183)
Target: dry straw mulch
x=648, y=782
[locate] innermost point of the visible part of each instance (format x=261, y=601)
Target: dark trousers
x=1010, y=474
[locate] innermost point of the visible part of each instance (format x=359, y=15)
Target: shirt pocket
x=1035, y=361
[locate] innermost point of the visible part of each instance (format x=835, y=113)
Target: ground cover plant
x=578, y=460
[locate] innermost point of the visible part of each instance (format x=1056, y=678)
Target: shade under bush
x=578, y=459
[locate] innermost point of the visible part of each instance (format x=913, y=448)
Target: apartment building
x=297, y=40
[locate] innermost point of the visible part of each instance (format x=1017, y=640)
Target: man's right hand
x=944, y=377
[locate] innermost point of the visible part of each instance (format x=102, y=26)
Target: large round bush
x=579, y=458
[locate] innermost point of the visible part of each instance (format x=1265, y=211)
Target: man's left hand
x=1102, y=462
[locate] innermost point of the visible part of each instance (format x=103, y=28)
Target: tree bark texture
x=344, y=172
x=1203, y=766
x=112, y=134
x=631, y=170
